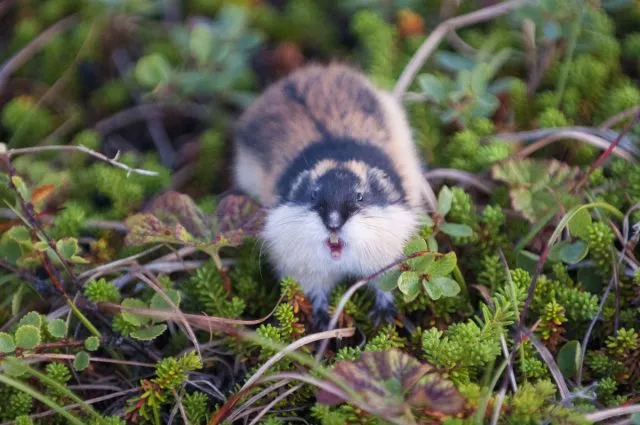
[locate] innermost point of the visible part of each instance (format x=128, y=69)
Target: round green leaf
x=28, y=337
x=152, y=70
x=433, y=290
x=148, y=334
x=31, y=318
x=158, y=302
x=409, y=284
x=415, y=245
x=389, y=280
x=574, y=253
x=569, y=358
x=19, y=234
x=92, y=343
x=81, y=361
x=579, y=223
x=6, y=343
x=134, y=319
x=448, y=287
x=456, y=230
x=443, y=265
x=67, y=247
x=13, y=367
x=57, y=328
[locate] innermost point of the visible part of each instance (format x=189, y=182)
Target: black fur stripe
x=339, y=150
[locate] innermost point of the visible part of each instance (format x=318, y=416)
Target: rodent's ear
x=379, y=181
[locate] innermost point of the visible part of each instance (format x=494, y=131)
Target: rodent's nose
x=333, y=221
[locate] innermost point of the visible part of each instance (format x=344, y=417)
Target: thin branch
x=434, y=39
x=23, y=56
x=79, y=148
x=274, y=402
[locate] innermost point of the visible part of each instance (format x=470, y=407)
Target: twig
x=612, y=413
x=620, y=116
x=460, y=176
x=79, y=148
x=553, y=367
x=570, y=134
x=20, y=58
x=434, y=39
x=137, y=113
x=608, y=151
x=93, y=359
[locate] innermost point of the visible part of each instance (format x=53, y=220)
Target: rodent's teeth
x=333, y=238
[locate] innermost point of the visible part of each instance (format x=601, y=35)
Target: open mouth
x=335, y=245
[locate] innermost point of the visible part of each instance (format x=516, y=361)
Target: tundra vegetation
x=132, y=285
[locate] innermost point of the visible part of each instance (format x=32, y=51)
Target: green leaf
x=415, y=245
x=13, y=367
x=7, y=345
x=21, y=187
x=456, y=230
x=447, y=286
x=421, y=264
x=57, y=328
x=409, y=284
x=389, y=280
x=81, y=361
x=579, y=224
x=67, y=247
x=148, y=334
x=32, y=318
x=201, y=42
x=41, y=246
x=134, y=319
x=28, y=337
x=92, y=343
x=19, y=234
x=434, y=291
x=159, y=303
x=152, y=70
x=443, y=265
x=572, y=253
x=432, y=243
x=433, y=87
x=569, y=358
x=78, y=260
x=426, y=221
x=396, y=382
x=445, y=198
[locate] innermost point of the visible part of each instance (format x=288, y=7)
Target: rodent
x=331, y=157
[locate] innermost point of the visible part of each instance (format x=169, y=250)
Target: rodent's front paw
x=321, y=319
x=382, y=315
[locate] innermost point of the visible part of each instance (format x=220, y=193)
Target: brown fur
x=334, y=98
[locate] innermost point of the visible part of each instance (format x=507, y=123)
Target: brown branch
x=434, y=39
x=79, y=148
x=620, y=116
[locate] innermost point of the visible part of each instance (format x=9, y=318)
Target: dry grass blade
x=336, y=333
x=19, y=59
x=553, y=367
x=151, y=281
x=461, y=177
x=441, y=31
x=603, y=415
x=273, y=403
x=590, y=139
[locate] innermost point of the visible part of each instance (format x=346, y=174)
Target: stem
x=573, y=41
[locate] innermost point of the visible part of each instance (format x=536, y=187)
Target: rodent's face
x=349, y=215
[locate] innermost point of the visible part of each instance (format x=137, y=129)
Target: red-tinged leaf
x=393, y=382
x=147, y=228
x=173, y=208
x=238, y=212
x=41, y=193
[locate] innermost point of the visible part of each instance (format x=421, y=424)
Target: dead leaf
x=392, y=382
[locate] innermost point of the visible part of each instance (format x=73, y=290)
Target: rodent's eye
x=359, y=197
